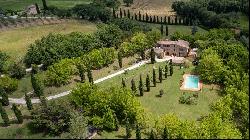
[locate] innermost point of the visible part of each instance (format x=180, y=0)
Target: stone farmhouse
x=31, y=10
x=178, y=48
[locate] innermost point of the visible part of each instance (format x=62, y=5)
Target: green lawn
x=15, y=42
x=21, y=4
x=26, y=83
x=169, y=102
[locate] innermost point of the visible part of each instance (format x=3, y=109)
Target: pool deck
x=190, y=89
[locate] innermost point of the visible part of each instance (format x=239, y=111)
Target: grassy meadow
x=15, y=42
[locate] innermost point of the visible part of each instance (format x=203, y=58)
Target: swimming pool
x=191, y=81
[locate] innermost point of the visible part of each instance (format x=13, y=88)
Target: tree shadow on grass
x=121, y=136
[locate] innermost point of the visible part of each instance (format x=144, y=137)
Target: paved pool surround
x=188, y=86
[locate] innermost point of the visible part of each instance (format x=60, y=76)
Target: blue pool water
x=191, y=81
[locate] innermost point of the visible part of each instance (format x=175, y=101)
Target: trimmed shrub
x=8, y=84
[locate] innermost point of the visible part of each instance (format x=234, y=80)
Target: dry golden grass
x=152, y=7
x=16, y=41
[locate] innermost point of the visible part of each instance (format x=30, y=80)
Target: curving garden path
x=22, y=100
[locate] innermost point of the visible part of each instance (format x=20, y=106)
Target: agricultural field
x=152, y=7
x=22, y=4
x=15, y=42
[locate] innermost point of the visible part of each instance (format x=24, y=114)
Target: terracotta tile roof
x=182, y=43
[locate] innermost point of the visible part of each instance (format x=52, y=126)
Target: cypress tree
x=124, y=13
x=148, y=83
x=123, y=83
x=180, y=21
x=175, y=20
x=151, y=136
x=165, y=19
x=138, y=132
x=142, y=55
x=120, y=13
x=81, y=71
x=150, y=19
x=143, y=18
x=114, y=13
x=135, y=16
x=166, y=30
x=45, y=7
x=132, y=17
x=166, y=71
x=141, y=86
x=154, y=19
x=128, y=14
x=4, y=115
x=17, y=113
x=161, y=29
x=160, y=74
x=157, y=19
x=147, y=18
x=120, y=59
x=165, y=133
x=37, y=85
x=128, y=130
x=28, y=102
x=5, y=98
x=139, y=15
x=161, y=19
x=133, y=87
x=171, y=70
x=152, y=55
x=154, y=77
x=169, y=20
x=170, y=62
x=90, y=76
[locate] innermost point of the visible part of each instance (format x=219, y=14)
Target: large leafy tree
x=110, y=35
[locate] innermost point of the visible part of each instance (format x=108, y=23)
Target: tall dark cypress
x=120, y=13
x=150, y=19
x=154, y=19
x=154, y=78
x=128, y=14
x=175, y=20
x=90, y=76
x=141, y=86
x=161, y=19
x=147, y=18
x=28, y=102
x=114, y=15
x=166, y=71
x=171, y=70
x=169, y=20
x=139, y=15
x=4, y=115
x=160, y=74
x=81, y=71
x=45, y=7
x=5, y=98
x=157, y=19
x=165, y=19
x=148, y=83
x=166, y=30
x=138, y=132
x=151, y=136
x=165, y=133
x=152, y=55
x=120, y=59
x=17, y=113
x=124, y=13
x=123, y=83
x=161, y=29
x=180, y=21
x=143, y=17
x=133, y=87
x=135, y=16
x=43, y=101
x=128, y=130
